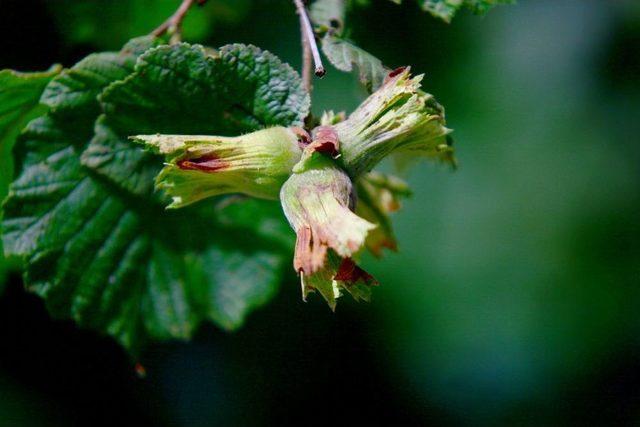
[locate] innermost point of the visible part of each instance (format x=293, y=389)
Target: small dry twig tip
x=309, y=47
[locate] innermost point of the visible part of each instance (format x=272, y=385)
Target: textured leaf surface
x=114, y=259
x=344, y=55
x=19, y=103
x=19, y=95
x=76, y=89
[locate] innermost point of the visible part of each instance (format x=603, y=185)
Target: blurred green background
x=514, y=297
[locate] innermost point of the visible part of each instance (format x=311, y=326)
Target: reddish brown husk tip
x=350, y=274
x=309, y=253
x=394, y=73
x=377, y=247
x=141, y=371
x=392, y=205
x=205, y=164
x=304, y=138
x=326, y=141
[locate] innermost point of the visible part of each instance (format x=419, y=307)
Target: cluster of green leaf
x=96, y=242
x=329, y=18
x=447, y=9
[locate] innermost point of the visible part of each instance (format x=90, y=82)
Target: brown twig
x=309, y=47
x=306, y=62
x=173, y=23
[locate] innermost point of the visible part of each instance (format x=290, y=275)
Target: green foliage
x=19, y=95
x=97, y=245
x=344, y=55
x=108, y=24
x=399, y=119
x=329, y=19
x=446, y=9
x=379, y=195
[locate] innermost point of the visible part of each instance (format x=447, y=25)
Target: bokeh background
x=514, y=298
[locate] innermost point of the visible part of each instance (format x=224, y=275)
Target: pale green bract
x=201, y=166
x=96, y=244
x=379, y=195
x=399, y=118
x=317, y=200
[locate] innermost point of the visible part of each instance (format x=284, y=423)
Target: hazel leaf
x=345, y=55
x=202, y=166
x=182, y=89
x=19, y=103
x=98, y=247
x=328, y=17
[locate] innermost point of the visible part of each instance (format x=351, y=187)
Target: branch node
x=174, y=22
